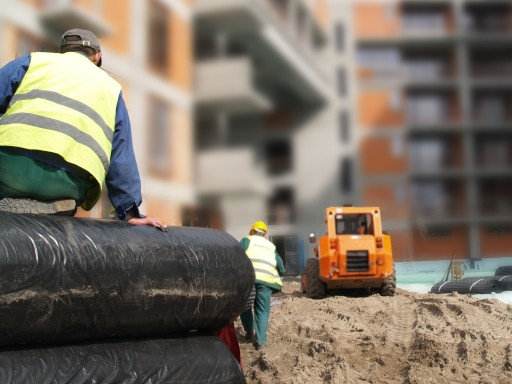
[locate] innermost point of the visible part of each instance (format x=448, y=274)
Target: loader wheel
x=315, y=288
x=388, y=286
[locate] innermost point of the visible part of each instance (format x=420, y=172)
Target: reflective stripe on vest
x=262, y=254
x=64, y=105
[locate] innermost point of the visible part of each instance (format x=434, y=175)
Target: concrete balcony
x=58, y=16
x=226, y=85
x=287, y=65
x=234, y=171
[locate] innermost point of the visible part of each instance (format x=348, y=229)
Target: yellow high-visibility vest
x=67, y=106
x=262, y=254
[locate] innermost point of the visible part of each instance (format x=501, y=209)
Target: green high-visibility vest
x=67, y=106
x=262, y=254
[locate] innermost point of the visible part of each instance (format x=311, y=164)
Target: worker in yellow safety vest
x=268, y=268
x=64, y=132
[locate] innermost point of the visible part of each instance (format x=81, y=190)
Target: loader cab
x=354, y=224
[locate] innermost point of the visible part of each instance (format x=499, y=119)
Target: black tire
x=316, y=288
x=388, y=287
x=503, y=271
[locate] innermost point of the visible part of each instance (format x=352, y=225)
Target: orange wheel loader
x=353, y=254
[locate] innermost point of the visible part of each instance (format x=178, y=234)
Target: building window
x=428, y=154
x=400, y=193
x=339, y=33
x=207, y=133
x=395, y=101
x=427, y=109
x=437, y=231
x=201, y=217
x=380, y=61
x=346, y=175
x=430, y=198
x=500, y=230
x=397, y=146
x=281, y=207
x=279, y=157
x=160, y=137
x=424, y=20
x=342, y=82
x=158, y=37
x=344, y=125
x=281, y=7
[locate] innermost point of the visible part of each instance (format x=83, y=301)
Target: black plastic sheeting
x=65, y=279
x=193, y=359
x=468, y=285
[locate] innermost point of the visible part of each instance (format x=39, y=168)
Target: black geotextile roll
x=505, y=282
x=468, y=285
x=193, y=359
x=65, y=279
x=503, y=271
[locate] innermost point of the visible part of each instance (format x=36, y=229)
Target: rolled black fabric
x=468, y=285
x=198, y=360
x=503, y=271
x=505, y=282
x=65, y=279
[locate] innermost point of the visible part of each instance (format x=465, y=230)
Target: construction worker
x=268, y=267
x=64, y=130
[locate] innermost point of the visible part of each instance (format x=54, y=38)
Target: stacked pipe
x=103, y=301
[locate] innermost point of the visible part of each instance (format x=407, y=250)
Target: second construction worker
x=268, y=267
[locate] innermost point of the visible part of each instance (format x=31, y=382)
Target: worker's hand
x=148, y=221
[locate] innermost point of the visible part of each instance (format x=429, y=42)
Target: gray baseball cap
x=87, y=39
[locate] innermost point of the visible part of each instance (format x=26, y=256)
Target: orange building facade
x=433, y=102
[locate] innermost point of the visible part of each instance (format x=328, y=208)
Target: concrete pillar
x=469, y=152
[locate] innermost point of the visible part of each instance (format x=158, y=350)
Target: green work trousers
x=22, y=176
x=261, y=314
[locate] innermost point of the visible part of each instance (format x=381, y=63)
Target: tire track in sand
x=404, y=317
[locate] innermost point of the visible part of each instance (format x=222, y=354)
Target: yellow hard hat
x=260, y=225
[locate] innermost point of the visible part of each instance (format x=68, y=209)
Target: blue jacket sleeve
x=10, y=78
x=123, y=180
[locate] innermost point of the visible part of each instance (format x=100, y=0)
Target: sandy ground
x=409, y=338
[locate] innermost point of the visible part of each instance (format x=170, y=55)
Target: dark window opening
x=201, y=217
x=286, y=247
x=346, y=175
x=436, y=231
x=279, y=157
x=500, y=230
x=340, y=37
x=160, y=138
x=344, y=126
x=342, y=82
x=158, y=37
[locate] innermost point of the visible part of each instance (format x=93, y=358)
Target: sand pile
x=408, y=338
